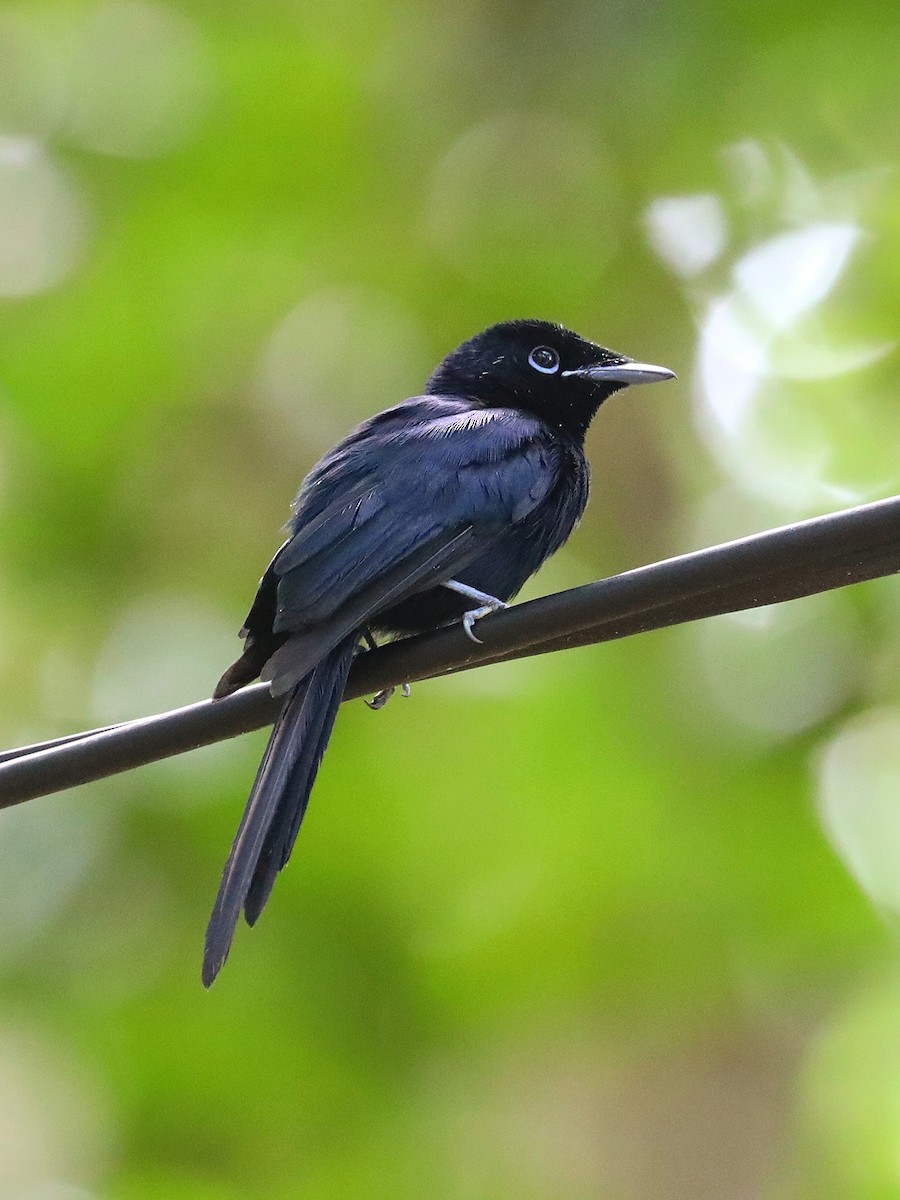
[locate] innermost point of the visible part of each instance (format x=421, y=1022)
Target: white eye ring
x=544, y=359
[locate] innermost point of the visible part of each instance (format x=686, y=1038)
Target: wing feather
x=429, y=564
x=404, y=502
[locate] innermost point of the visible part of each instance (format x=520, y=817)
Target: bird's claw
x=380, y=699
x=475, y=614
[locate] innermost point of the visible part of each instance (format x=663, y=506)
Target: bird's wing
x=400, y=506
x=427, y=565
x=405, y=486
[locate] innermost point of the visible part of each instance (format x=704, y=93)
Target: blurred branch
x=783, y=564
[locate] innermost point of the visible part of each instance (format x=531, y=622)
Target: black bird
x=434, y=511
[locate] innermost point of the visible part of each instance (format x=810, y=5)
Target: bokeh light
x=859, y=781
x=523, y=190
x=53, y=1121
x=772, y=382
x=140, y=79
x=160, y=653
x=43, y=222
x=689, y=232
x=774, y=671
x=32, y=77
x=323, y=356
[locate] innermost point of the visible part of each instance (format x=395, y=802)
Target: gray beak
x=626, y=372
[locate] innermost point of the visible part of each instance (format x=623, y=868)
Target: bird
x=434, y=511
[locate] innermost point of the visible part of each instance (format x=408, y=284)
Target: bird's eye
x=544, y=359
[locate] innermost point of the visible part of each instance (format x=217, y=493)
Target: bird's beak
x=624, y=372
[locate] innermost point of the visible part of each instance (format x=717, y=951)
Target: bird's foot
x=380, y=699
x=475, y=614
x=486, y=605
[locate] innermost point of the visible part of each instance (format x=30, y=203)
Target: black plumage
x=476, y=482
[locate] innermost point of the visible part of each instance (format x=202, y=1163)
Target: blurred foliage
x=573, y=927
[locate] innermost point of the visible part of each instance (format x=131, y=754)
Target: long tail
x=278, y=801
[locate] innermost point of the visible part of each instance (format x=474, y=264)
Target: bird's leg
x=380, y=699
x=486, y=605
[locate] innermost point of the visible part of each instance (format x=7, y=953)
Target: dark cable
x=768, y=568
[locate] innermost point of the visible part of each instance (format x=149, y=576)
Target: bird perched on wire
x=436, y=510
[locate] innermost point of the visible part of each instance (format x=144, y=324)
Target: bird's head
x=542, y=368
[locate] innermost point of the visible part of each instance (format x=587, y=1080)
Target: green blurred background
x=617, y=923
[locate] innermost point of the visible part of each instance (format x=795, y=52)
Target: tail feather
x=278, y=800
x=283, y=830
